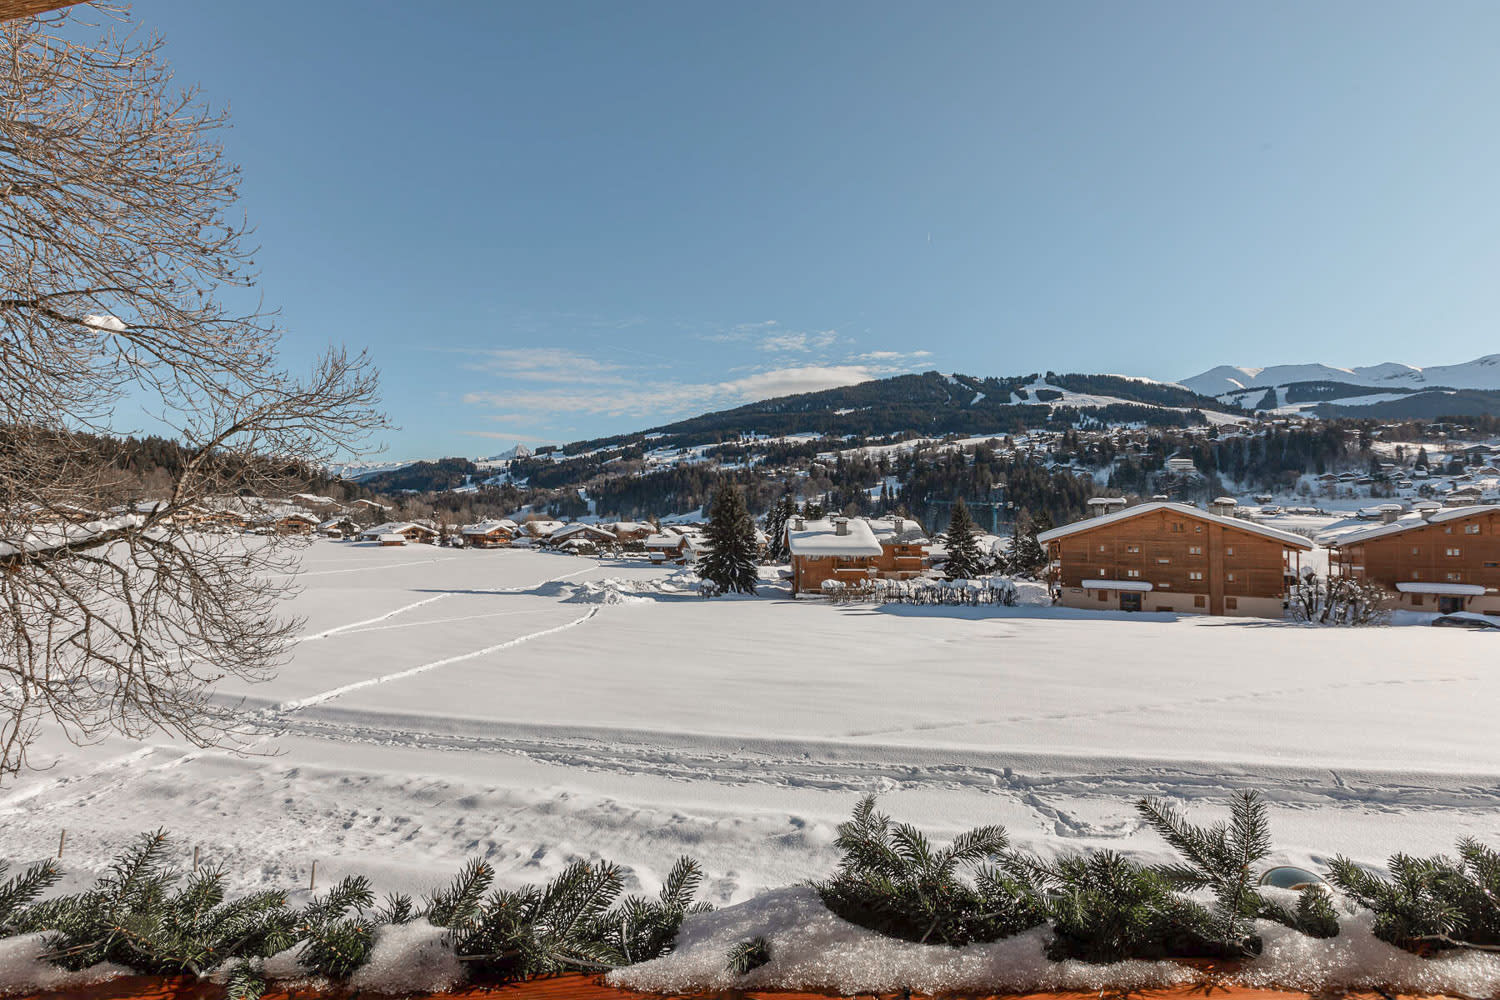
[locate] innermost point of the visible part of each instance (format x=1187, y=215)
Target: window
x=1229, y=577
x=1456, y=577
x=1491, y=565
x=1176, y=526
x=1103, y=595
x=1132, y=548
x=1471, y=529
x=1164, y=586
x=1448, y=529
x=1133, y=573
x=1195, y=550
x=1229, y=550
x=1198, y=528
x=1195, y=575
x=1416, y=550
x=1453, y=552
x=1101, y=572
x=1231, y=603
x=1200, y=601
x=1163, y=561
x=1103, y=548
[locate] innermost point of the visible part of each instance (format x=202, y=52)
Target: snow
x=1238, y=523
x=1481, y=373
x=812, y=949
x=533, y=708
x=409, y=958
x=1454, y=589
x=1136, y=585
x=24, y=969
x=821, y=538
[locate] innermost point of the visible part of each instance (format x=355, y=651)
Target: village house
x=490, y=534
x=408, y=530
x=627, y=532
x=668, y=547
x=1172, y=557
x=289, y=523
x=1442, y=560
x=582, y=537
x=903, y=548
x=841, y=549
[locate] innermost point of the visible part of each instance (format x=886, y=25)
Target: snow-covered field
x=510, y=704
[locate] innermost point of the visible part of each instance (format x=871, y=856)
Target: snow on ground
x=535, y=708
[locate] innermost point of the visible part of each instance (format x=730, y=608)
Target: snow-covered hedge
x=899, y=913
x=998, y=590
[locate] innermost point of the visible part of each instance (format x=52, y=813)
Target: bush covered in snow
x=1335, y=600
x=899, y=913
x=988, y=590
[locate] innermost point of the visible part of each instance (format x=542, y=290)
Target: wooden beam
x=14, y=10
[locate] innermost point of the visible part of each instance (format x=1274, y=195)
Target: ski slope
x=536, y=708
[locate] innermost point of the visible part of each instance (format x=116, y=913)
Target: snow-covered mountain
x=1481, y=373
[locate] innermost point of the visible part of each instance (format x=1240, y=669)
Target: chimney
x=841, y=526
x=1388, y=516
x=898, y=525
x=799, y=523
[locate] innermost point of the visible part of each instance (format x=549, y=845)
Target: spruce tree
x=964, y=559
x=1026, y=554
x=730, y=561
x=776, y=521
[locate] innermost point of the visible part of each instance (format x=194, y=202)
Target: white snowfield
x=534, y=708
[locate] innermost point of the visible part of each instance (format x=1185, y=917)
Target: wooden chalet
x=491, y=534
x=408, y=530
x=582, y=536
x=903, y=548
x=627, y=532
x=841, y=548
x=1163, y=556
x=1438, y=560
x=669, y=546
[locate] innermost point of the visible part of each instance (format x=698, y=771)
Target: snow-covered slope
x=1481, y=373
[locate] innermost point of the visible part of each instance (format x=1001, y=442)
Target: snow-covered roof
x=581, y=529
x=543, y=529
x=391, y=536
x=1137, y=585
x=1239, y=524
x=911, y=532
x=821, y=538
x=488, y=527
x=1452, y=589
x=664, y=541
x=396, y=528
x=1410, y=523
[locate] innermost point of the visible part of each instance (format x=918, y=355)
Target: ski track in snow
x=320, y=698
x=858, y=769
x=371, y=621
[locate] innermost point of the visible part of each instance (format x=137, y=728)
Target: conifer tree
x=776, y=521
x=730, y=561
x=1026, y=556
x=964, y=559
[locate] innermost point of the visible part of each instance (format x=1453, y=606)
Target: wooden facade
x=854, y=550
x=1171, y=557
x=1450, y=562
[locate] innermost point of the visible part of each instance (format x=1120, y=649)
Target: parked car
x=1465, y=619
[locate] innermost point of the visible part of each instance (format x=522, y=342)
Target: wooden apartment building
x=1445, y=561
x=1171, y=557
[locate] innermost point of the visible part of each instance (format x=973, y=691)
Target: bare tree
x=120, y=270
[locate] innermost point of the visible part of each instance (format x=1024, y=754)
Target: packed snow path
x=514, y=705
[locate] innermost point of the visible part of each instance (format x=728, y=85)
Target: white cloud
x=799, y=341
x=892, y=356
x=547, y=364
x=661, y=399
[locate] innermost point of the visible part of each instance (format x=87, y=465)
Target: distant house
x=633, y=531
x=576, y=535
x=490, y=534
x=409, y=531
x=337, y=527
x=1435, y=560
x=291, y=524
x=1180, y=463
x=540, y=529
x=1172, y=557
x=842, y=549
x=668, y=547
x=391, y=538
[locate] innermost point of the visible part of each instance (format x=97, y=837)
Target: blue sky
x=552, y=221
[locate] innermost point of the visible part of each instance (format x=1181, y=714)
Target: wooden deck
x=585, y=987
